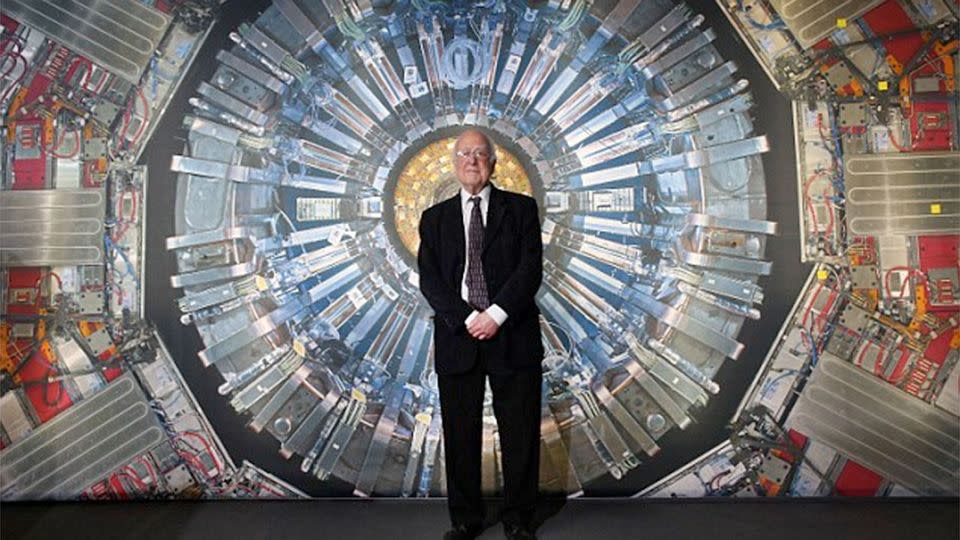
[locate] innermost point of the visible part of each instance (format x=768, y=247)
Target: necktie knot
x=475, y=200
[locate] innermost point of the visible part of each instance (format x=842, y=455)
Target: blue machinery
x=638, y=143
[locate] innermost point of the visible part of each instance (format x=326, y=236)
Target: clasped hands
x=483, y=326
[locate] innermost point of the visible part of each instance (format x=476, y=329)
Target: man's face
x=472, y=161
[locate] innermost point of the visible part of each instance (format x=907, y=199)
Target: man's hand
x=483, y=326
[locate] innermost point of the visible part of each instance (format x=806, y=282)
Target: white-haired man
x=480, y=264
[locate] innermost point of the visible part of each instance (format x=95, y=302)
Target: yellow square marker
x=261, y=283
x=841, y=22
x=822, y=274
x=883, y=86
x=935, y=208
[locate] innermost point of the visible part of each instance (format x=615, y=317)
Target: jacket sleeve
x=520, y=288
x=446, y=302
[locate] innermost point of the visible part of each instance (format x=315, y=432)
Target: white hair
x=492, y=147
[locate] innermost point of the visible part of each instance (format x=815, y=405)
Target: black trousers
x=516, y=404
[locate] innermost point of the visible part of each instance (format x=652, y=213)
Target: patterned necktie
x=476, y=284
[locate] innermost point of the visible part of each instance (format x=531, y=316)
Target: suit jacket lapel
x=494, y=216
x=454, y=222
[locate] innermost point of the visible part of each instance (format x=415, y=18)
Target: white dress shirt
x=494, y=311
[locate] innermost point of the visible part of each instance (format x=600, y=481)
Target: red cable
x=813, y=215
x=813, y=299
x=13, y=65
x=863, y=351
x=129, y=473
x=822, y=316
x=206, y=446
x=17, y=40
x=878, y=363
x=826, y=202
x=76, y=147
x=809, y=201
x=894, y=142
x=265, y=487
x=119, y=234
x=195, y=463
x=149, y=466
x=39, y=283
x=146, y=117
x=16, y=82
x=123, y=130
x=910, y=273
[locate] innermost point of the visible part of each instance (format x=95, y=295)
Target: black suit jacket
x=512, y=260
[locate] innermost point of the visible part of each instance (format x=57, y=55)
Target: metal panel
x=119, y=35
x=812, y=20
x=903, y=194
x=81, y=445
x=51, y=227
x=902, y=438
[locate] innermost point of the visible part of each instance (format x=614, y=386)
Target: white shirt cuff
x=497, y=314
x=471, y=317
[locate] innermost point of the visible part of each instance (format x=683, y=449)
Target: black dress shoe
x=518, y=532
x=463, y=532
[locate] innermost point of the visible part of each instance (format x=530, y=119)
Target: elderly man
x=480, y=265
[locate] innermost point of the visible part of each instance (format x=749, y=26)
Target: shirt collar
x=484, y=195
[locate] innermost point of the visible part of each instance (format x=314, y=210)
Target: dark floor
x=574, y=519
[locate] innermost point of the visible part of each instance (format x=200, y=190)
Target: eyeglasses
x=480, y=154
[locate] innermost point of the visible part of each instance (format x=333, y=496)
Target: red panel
x=823, y=45
x=855, y=480
x=930, y=126
x=938, y=349
x=8, y=23
x=798, y=438
x=49, y=399
x=78, y=66
x=30, y=165
x=164, y=6
x=87, y=329
x=112, y=373
x=889, y=18
x=22, y=280
x=938, y=251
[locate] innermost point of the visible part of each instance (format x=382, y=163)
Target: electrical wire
x=18, y=58
x=146, y=118
x=893, y=141
x=150, y=469
x=577, y=11
x=126, y=472
x=206, y=448
x=777, y=23
x=125, y=223
x=903, y=286
x=59, y=143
